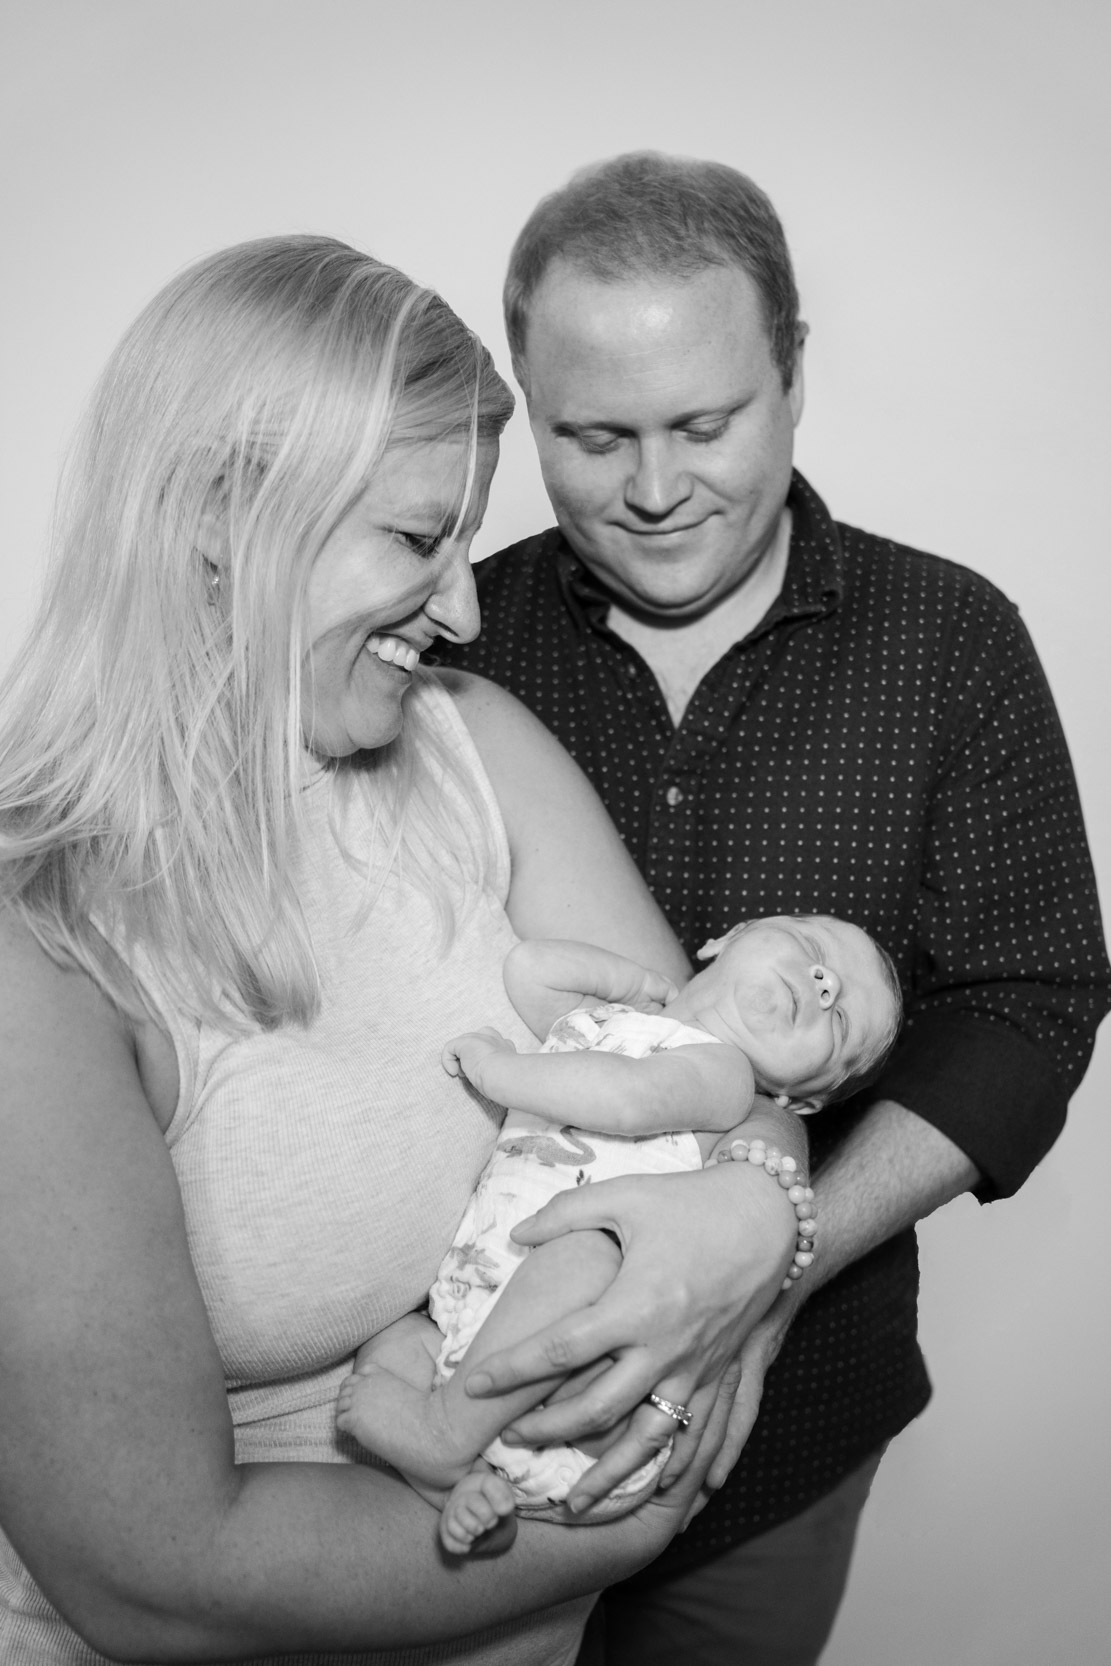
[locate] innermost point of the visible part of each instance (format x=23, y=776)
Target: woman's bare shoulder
x=479, y=699
x=56, y=1025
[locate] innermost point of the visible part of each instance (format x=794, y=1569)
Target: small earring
x=782, y=1100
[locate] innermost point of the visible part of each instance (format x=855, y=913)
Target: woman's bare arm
x=116, y=1459
x=572, y=876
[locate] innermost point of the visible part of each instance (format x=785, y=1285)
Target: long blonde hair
x=150, y=743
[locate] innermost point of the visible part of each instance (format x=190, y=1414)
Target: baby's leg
x=390, y=1407
x=555, y=1279
x=480, y=1506
x=433, y=1437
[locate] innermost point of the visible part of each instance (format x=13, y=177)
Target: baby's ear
x=802, y=1107
x=710, y=950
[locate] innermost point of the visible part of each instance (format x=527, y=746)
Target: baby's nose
x=829, y=986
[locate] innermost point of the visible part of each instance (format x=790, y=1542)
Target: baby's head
x=813, y=1001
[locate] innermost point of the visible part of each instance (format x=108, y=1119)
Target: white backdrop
x=941, y=169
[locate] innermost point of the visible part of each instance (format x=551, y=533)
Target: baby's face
x=807, y=999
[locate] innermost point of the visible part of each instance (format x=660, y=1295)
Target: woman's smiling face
x=391, y=577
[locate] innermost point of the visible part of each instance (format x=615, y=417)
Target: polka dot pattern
x=884, y=747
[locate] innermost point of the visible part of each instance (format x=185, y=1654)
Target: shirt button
x=674, y=796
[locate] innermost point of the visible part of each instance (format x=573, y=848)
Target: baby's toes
x=498, y=1494
x=345, y=1399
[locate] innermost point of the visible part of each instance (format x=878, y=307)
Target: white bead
x=803, y=1258
x=790, y=1165
x=797, y=1194
x=757, y=1155
x=807, y=1229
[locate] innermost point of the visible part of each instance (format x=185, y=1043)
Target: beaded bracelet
x=785, y=1171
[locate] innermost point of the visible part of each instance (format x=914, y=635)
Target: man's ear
x=797, y=394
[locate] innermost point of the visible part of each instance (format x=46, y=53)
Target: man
x=784, y=714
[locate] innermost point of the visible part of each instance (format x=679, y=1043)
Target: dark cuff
x=985, y=1087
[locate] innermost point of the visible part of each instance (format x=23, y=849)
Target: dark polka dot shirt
x=884, y=747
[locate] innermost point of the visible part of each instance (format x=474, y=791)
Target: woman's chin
x=361, y=731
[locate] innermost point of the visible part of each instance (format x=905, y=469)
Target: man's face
x=664, y=432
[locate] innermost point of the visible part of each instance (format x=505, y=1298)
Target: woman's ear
x=212, y=537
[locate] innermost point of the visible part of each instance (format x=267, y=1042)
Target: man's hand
x=745, y=1379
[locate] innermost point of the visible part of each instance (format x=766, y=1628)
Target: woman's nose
x=829, y=985
x=453, y=606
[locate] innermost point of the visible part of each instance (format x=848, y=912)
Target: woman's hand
x=704, y=1257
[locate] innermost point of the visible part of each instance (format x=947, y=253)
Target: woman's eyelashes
x=424, y=544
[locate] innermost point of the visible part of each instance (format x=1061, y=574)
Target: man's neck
x=680, y=654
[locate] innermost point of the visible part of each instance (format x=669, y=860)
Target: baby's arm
x=546, y=977
x=707, y=1086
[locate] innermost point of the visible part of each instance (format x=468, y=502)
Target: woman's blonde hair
x=151, y=750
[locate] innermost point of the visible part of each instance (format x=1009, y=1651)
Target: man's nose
x=829, y=985
x=659, y=483
x=453, y=605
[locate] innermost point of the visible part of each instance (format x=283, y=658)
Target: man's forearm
x=894, y=1169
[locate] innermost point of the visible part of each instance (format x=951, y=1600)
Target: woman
x=257, y=866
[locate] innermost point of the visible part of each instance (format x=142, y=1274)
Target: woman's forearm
x=327, y=1557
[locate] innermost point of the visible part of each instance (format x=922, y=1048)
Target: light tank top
x=323, y=1174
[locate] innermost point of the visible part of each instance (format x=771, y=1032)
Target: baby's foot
x=480, y=1503
x=352, y=1409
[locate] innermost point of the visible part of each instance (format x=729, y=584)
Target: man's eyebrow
x=568, y=425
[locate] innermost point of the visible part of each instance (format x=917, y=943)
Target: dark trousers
x=770, y=1602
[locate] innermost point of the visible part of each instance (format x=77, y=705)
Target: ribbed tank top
x=323, y=1173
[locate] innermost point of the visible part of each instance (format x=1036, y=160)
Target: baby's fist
x=464, y=1054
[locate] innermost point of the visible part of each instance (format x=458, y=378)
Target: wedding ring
x=681, y=1414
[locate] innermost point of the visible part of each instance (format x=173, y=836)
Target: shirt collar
x=812, y=585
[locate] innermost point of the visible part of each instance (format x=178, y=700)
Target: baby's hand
x=652, y=993
x=464, y=1054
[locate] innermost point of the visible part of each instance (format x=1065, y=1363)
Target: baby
x=798, y=1008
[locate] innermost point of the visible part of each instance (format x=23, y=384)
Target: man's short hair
x=646, y=213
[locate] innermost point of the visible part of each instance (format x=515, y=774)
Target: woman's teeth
x=394, y=651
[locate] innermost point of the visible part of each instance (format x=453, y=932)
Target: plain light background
x=942, y=171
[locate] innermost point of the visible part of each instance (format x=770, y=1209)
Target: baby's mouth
x=393, y=651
